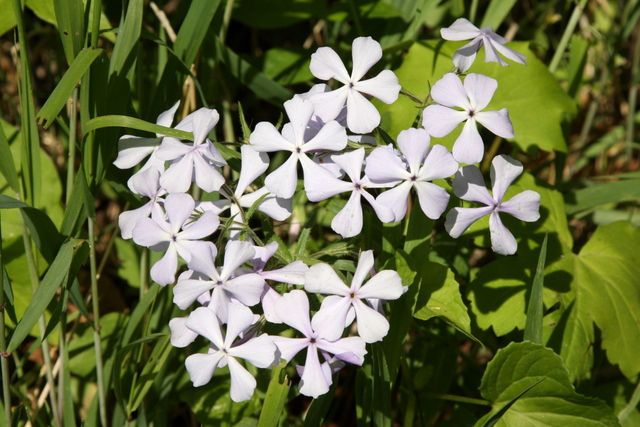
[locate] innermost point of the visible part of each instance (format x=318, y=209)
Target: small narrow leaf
x=535, y=311
x=7, y=167
x=276, y=397
x=496, y=417
x=133, y=123
x=320, y=406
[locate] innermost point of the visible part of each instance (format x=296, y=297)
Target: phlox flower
x=293, y=309
x=158, y=234
x=196, y=162
x=422, y=164
x=463, y=58
x=294, y=138
x=133, y=149
x=472, y=98
x=259, y=351
x=362, y=116
x=144, y=183
x=333, y=314
x=347, y=222
x=254, y=164
x=226, y=286
x=468, y=184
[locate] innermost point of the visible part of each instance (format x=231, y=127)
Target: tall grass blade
x=70, y=21
x=7, y=167
x=535, y=310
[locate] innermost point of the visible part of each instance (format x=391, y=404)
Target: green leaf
x=496, y=417
x=276, y=397
x=58, y=99
x=536, y=114
x=133, y=123
x=194, y=28
x=602, y=194
x=287, y=66
x=7, y=168
x=152, y=367
x=553, y=402
x=263, y=86
x=70, y=22
x=320, y=406
x=604, y=277
x=44, y=294
x=496, y=12
x=535, y=310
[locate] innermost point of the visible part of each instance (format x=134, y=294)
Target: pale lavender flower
x=424, y=163
x=196, y=162
x=266, y=138
x=472, y=98
x=158, y=234
x=225, y=284
x=347, y=222
x=333, y=314
x=259, y=351
x=463, y=58
x=293, y=309
x=362, y=116
x=144, y=183
x=468, y=184
x=133, y=149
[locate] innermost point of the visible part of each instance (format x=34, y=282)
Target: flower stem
x=568, y=31
x=491, y=153
x=454, y=398
x=473, y=10
x=6, y=393
x=73, y=126
x=96, y=319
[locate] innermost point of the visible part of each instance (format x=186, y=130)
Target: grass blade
x=70, y=21
x=496, y=417
x=535, y=310
x=56, y=102
x=7, y=167
x=320, y=406
x=133, y=123
x=194, y=28
x=46, y=291
x=275, y=398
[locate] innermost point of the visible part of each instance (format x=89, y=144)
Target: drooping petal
x=502, y=241
x=461, y=29
x=313, y=383
x=363, y=269
x=469, y=147
x=266, y=138
x=254, y=164
x=293, y=309
x=166, y=118
x=133, y=149
x=385, y=167
x=329, y=105
x=127, y=220
x=362, y=116
x=524, y=206
x=459, y=219
x=268, y=300
x=329, y=322
x=322, y=279
x=177, y=179
x=204, y=322
x=438, y=164
x=396, y=200
x=464, y=57
x=504, y=170
x=509, y=53
x=354, y=345
x=383, y=213
x=449, y=91
x=491, y=54
x=480, y=90
x=348, y=222
x=384, y=86
x=236, y=254
x=326, y=64
x=372, y=326
x=386, y=285
x=211, y=154
x=242, y=382
x=202, y=366
x=205, y=175
x=468, y=184
x=440, y=121
x=181, y=336
x=433, y=199
x=497, y=122
x=282, y=182
x=259, y=351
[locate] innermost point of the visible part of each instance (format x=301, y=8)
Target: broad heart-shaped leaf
x=553, y=402
x=604, y=278
x=439, y=295
x=537, y=104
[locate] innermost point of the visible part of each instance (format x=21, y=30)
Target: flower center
x=414, y=178
x=472, y=113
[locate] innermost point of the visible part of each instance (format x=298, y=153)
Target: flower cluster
x=227, y=294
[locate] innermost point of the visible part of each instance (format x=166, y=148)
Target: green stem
x=95, y=23
x=473, y=10
x=34, y=278
x=226, y=18
x=566, y=36
x=633, y=98
x=96, y=319
x=73, y=126
x=6, y=392
x=631, y=406
x=491, y=153
x=454, y=398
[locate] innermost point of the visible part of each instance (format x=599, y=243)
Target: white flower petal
x=236, y=254
x=450, y=92
x=148, y=233
x=127, y=220
x=313, y=383
x=171, y=149
x=438, y=164
x=433, y=199
x=266, y=138
x=239, y=320
x=186, y=291
x=293, y=273
x=352, y=348
x=468, y=184
x=463, y=58
x=414, y=144
x=254, y=164
x=372, y=326
x=326, y=64
x=322, y=279
x=259, y=351
x=385, y=167
x=459, y=219
x=384, y=86
x=480, y=90
x=385, y=285
x=502, y=241
x=202, y=366
x=504, y=170
x=524, y=206
x=362, y=116
x=166, y=118
x=177, y=179
x=246, y=288
x=365, y=52
x=299, y=112
x=179, y=208
x=203, y=121
x=396, y=200
x=293, y=309
x=329, y=322
x=461, y=29
x=268, y=300
x=497, y=122
x=320, y=184
x=440, y=121
x=289, y=347
x=181, y=336
x=242, y=382
x=351, y=162
x=363, y=269
x=469, y=147
x=383, y=213
x=205, y=175
x=509, y=53
x=329, y=105
x=133, y=149
x=332, y=137
x=282, y=182
x=348, y=222
x=204, y=322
